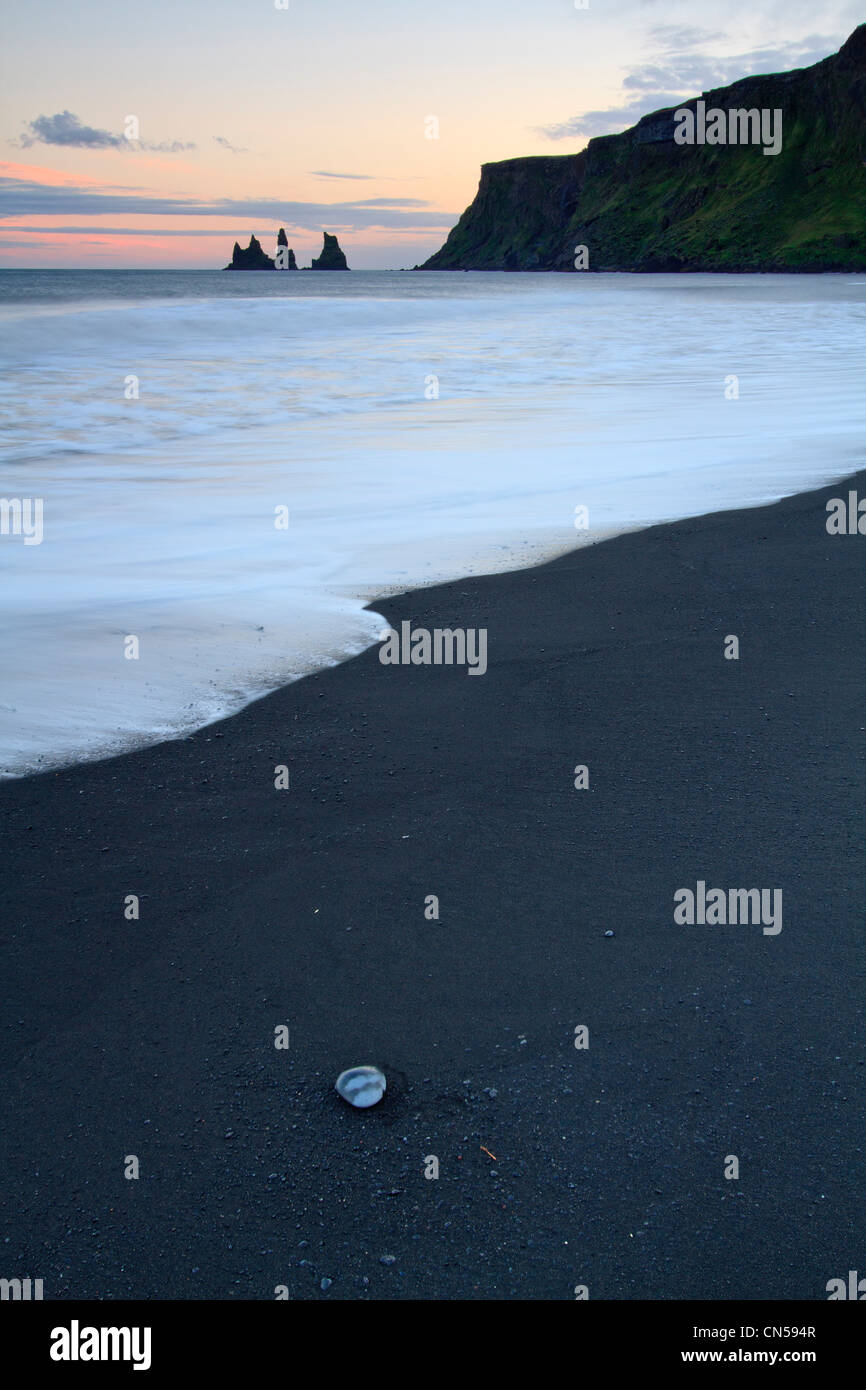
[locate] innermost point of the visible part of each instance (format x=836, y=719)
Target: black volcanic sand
x=306, y=907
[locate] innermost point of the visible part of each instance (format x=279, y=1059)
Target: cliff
x=641, y=201
x=332, y=257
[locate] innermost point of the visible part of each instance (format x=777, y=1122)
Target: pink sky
x=320, y=115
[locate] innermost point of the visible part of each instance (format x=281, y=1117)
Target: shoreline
x=261, y=908
x=221, y=524
x=247, y=688
x=250, y=685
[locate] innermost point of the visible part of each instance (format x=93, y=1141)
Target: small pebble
x=361, y=1086
x=608, y=933
x=325, y=1284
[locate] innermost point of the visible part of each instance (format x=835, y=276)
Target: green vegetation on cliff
x=640, y=201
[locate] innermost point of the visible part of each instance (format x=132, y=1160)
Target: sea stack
x=332, y=258
x=251, y=258
x=285, y=254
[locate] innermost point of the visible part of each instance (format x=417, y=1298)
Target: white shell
x=361, y=1086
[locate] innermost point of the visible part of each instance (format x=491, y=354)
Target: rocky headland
x=651, y=199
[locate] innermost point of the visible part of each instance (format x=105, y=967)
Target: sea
x=231, y=466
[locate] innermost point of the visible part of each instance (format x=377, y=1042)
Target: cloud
x=326, y=174
x=28, y=198
x=165, y=146
x=118, y=231
x=389, y=203
x=677, y=37
x=613, y=118
x=676, y=74
x=38, y=173
x=65, y=128
x=227, y=145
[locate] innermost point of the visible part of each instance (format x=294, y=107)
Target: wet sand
x=260, y=907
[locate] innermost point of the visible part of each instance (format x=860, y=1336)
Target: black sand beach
x=601, y=1167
